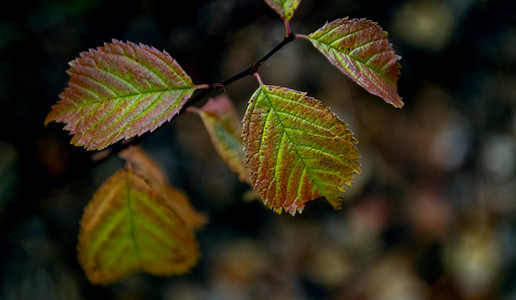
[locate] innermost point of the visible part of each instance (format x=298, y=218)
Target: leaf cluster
x=289, y=147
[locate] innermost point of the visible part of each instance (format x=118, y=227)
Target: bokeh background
x=432, y=216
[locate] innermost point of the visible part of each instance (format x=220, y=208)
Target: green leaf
x=224, y=128
x=284, y=8
x=360, y=49
x=119, y=91
x=296, y=149
x=127, y=227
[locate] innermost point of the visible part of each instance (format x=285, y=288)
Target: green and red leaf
x=284, y=8
x=127, y=227
x=296, y=149
x=224, y=128
x=119, y=91
x=359, y=48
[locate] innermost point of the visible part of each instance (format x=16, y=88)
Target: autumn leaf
x=224, y=128
x=119, y=91
x=297, y=150
x=143, y=164
x=180, y=203
x=284, y=8
x=360, y=49
x=128, y=227
x=146, y=167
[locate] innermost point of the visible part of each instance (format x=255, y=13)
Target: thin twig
x=247, y=72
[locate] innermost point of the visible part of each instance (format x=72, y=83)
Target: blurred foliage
x=433, y=215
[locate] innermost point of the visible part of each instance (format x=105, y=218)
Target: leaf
x=296, y=149
x=143, y=164
x=284, y=8
x=360, y=49
x=179, y=202
x=129, y=227
x=223, y=126
x=119, y=91
x=148, y=168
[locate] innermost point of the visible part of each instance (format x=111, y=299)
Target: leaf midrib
x=131, y=221
x=122, y=98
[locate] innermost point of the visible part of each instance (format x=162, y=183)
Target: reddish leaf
x=119, y=91
x=360, y=49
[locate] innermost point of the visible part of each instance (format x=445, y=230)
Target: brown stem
x=249, y=71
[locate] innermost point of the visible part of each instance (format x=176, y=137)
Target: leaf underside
x=360, y=49
x=284, y=8
x=128, y=227
x=224, y=128
x=296, y=149
x=119, y=91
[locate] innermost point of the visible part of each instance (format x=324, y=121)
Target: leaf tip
x=395, y=101
x=399, y=103
x=114, y=41
x=294, y=211
x=48, y=119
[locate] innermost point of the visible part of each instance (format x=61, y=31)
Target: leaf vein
x=306, y=169
x=96, y=82
x=132, y=119
x=171, y=67
x=130, y=214
x=146, y=67
x=116, y=121
x=325, y=153
x=302, y=120
x=125, y=82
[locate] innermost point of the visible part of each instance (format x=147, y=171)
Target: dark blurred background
x=432, y=216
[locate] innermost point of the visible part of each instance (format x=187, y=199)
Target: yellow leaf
x=149, y=169
x=130, y=227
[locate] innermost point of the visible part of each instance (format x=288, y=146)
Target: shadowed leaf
x=360, y=49
x=119, y=91
x=129, y=227
x=284, y=8
x=224, y=128
x=149, y=169
x=144, y=165
x=296, y=149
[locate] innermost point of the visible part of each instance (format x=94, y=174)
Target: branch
x=247, y=72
